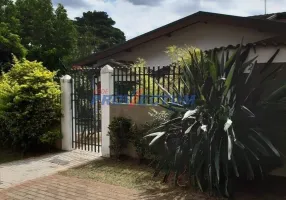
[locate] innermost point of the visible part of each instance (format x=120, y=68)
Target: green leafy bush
x=139, y=131
x=123, y=131
x=51, y=137
x=29, y=106
x=120, y=134
x=182, y=56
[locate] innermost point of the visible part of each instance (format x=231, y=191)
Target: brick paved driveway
x=57, y=187
x=17, y=172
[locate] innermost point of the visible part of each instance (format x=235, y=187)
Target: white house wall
x=265, y=53
x=203, y=36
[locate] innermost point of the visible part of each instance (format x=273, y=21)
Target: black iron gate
x=86, y=123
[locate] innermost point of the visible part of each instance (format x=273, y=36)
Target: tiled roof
x=274, y=41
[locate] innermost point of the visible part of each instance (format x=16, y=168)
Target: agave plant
x=219, y=137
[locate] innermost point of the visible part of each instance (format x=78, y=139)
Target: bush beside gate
x=29, y=107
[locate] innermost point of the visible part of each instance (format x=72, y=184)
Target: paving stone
x=66, y=188
x=17, y=172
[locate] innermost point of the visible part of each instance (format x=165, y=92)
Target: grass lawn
x=130, y=174
x=127, y=174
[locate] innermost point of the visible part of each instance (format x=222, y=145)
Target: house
x=203, y=30
x=207, y=31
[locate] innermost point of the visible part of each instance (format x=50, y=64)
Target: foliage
x=120, y=133
x=96, y=33
x=8, y=15
x=139, y=67
x=123, y=131
x=64, y=41
x=139, y=131
x=159, y=117
x=147, y=84
x=29, y=106
x=52, y=38
x=178, y=57
x=48, y=34
x=141, y=145
x=9, y=44
x=219, y=137
x=51, y=137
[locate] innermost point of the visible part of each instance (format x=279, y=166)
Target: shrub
x=51, y=137
x=182, y=56
x=29, y=106
x=139, y=131
x=120, y=133
x=123, y=131
x=220, y=136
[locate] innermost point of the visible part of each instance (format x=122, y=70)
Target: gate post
x=66, y=105
x=107, y=87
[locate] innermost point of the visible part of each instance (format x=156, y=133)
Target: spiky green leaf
x=269, y=62
x=158, y=136
x=190, y=114
x=266, y=141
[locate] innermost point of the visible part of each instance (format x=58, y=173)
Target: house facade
x=205, y=31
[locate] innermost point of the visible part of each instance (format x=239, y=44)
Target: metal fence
x=142, y=85
x=86, y=114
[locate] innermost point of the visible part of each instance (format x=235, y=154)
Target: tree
x=64, y=39
x=8, y=15
x=36, y=19
x=10, y=45
x=96, y=33
x=49, y=36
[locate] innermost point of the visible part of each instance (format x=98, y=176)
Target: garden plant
x=219, y=137
x=30, y=108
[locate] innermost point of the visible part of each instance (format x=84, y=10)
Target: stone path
x=17, y=172
x=57, y=187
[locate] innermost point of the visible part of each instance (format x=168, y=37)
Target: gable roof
x=199, y=17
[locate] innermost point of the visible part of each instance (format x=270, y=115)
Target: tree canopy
x=49, y=36
x=8, y=15
x=96, y=33
x=9, y=44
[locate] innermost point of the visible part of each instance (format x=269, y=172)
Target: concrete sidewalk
x=17, y=172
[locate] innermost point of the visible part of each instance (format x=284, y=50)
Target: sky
x=135, y=17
